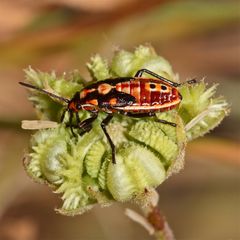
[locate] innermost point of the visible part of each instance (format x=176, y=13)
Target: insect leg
x=141, y=71
x=70, y=123
x=104, y=123
x=86, y=125
x=63, y=115
x=149, y=114
x=138, y=115
x=77, y=118
x=166, y=122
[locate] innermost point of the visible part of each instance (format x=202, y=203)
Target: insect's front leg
x=78, y=121
x=70, y=123
x=63, y=115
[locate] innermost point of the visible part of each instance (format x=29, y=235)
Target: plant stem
x=152, y=219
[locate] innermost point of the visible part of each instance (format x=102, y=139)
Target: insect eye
x=163, y=87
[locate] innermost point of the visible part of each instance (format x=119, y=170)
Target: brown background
x=199, y=38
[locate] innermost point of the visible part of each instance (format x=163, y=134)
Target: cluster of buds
x=80, y=168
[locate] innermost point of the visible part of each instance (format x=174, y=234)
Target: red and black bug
x=131, y=96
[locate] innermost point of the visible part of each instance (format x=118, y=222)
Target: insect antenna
x=44, y=91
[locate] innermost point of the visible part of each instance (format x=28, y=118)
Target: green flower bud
x=147, y=152
x=136, y=169
x=65, y=86
x=125, y=64
x=98, y=68
x=200, y=111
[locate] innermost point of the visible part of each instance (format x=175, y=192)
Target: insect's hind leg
x=149, y=114
x=166, y=122
x=174, y=84
x=104, y=123
x=141, y=71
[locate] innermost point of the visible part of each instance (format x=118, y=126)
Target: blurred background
x=199, y=38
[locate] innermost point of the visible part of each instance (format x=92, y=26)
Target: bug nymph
x=130, y=96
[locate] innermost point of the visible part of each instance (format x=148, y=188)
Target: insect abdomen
x=150, y=94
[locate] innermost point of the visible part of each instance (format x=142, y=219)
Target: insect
x=131, y=96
